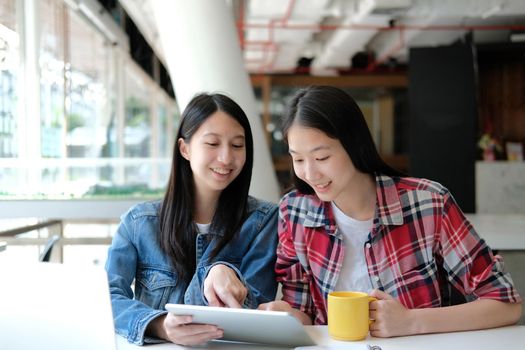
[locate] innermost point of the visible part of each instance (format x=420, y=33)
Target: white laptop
x=251, y=326
x=56, y=307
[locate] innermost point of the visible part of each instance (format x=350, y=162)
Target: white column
x=30, y=142
x=202, y=51
x=120, y=65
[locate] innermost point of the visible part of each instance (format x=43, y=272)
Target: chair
x=45, y=256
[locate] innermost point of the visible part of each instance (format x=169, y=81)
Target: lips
x=221, y=171
x=322, y=186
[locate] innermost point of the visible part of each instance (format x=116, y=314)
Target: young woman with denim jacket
x=354, y=223
x=206, y=243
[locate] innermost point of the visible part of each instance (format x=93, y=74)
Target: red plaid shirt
x=420, y=248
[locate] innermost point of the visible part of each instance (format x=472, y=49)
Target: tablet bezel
x=247, y=325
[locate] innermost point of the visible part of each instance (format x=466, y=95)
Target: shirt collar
x=389, y=208
x=388, y=211
x=319, y=214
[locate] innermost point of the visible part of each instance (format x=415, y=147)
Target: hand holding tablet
x=246, y=325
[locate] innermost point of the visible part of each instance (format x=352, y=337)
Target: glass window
x=102, y=127
x=137, y=125
x=9, y=62
x=90, y=120
x=167, y=124
x=52, y=72
x=162, y=127
x=167, y=119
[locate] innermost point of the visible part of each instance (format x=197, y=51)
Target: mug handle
x=370, y=299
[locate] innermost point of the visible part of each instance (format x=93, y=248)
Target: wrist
x=417, y=321
x=300, y=315
x=156, y=328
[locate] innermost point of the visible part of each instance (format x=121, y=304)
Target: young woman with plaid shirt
x=354, y=223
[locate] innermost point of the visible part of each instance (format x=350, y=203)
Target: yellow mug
x=348, y=316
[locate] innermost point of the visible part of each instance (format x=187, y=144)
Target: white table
x=76, y=209
x=500, y=231
x=505, y=338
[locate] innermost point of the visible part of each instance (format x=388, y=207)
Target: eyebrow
x=315, y=149
x=219, y=135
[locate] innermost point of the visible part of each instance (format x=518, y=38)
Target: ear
x=183, y=148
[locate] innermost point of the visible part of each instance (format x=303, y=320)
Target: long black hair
x=334, y=112
x=177, y=228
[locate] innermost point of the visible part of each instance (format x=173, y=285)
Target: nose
x=310, y=171
x=225, y=155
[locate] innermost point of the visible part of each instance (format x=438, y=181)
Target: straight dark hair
x=177, y=228
x=335, y=113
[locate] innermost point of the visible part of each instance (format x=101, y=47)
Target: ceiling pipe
x=401, y=29
x=268, y=47
x=254, y=44
x=271, y=48
x=407, y=27
x=375, y=63
x=259, y=44
x=273, y=23
x=240, y=24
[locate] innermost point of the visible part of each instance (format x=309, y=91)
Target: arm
x=393, y=319
x=479, y=314
x=137, y=321
x=472, y=269
x=243, y=273
x=257, y=266
x=130, y=316
x=290, y=273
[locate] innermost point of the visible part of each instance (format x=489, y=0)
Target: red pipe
x=269, y=45
x=373, y=65
x=240, y=24
x=273, y=45
x=517, y=27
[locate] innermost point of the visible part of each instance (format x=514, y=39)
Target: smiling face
x=216, y=152
x=321, y=162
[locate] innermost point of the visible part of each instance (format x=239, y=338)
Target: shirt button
x=368, y=245
x=376, y=278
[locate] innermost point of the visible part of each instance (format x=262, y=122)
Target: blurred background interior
x=88, y=110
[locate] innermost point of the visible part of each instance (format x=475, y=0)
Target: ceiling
x=324, y=35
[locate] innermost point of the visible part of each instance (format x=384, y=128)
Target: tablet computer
x=250, y=326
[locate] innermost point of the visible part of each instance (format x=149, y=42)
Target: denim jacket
x=135, y=256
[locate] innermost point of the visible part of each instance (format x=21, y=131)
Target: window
x=9, y=63
x=90, y=117
x=99, y=126
x=52, y=57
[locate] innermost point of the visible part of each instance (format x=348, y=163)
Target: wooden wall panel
x=502, y=100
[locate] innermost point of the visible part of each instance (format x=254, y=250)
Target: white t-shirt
x=203, y=228
x=354, y=273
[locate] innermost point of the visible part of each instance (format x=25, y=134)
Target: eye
x=238, y=145
x=211, y=144
x=297, y=160
x=322, y=159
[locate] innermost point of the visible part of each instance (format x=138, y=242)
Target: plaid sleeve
x=469, y=262
x=288, y=269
